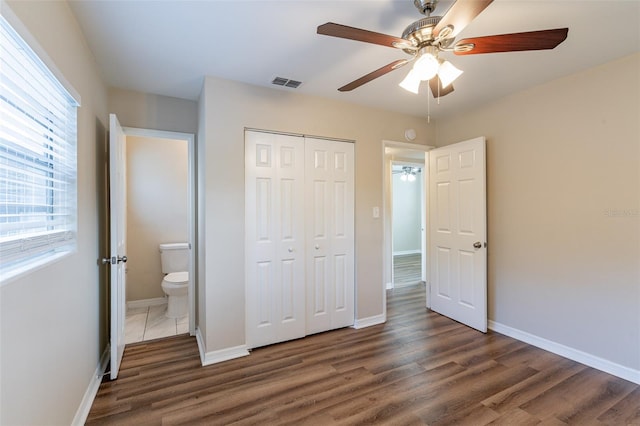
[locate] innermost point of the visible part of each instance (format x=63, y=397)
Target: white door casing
x=274, y=231
x=118, y=240
x=330, y=234
x=457, y=216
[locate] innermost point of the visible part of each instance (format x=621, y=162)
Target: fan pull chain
x=428, y=109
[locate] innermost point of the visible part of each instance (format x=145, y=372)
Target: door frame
x=393, y=151
x=189, y=138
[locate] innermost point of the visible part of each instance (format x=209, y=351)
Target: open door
x=458, y=229
x=118, y=239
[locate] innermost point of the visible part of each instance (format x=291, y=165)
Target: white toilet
x=174, y=258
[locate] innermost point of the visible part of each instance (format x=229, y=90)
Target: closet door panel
x=343, y=235
x=330, y=234
x=274, y=238
x=318, y=237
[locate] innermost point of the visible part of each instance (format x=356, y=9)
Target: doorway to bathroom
x=160, y=209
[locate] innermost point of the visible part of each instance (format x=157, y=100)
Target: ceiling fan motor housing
x=420, y=32
x=426, y=7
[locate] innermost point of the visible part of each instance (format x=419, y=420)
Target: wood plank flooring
x=407, y=269
x=418, y=368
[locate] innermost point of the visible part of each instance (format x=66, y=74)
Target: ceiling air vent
x=280, y=81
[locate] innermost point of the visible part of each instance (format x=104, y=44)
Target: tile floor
x=151, y=323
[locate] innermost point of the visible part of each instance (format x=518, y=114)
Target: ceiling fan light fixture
x=411, y=82
x=448, y=73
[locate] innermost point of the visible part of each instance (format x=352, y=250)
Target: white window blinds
x=37, y=157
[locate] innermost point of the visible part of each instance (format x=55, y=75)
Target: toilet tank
x=174, y=257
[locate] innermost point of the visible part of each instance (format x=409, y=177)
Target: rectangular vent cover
x=280, y=81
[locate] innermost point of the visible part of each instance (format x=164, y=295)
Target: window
x=37, y=160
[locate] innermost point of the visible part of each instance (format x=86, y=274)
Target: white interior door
x=274, y=230
x=457, y=216
x=330, y=234
x=118, y=209
x=423, y=223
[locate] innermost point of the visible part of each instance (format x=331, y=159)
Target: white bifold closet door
x=299, y=236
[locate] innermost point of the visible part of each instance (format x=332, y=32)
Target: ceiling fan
x=407, y=173
x=426, y=37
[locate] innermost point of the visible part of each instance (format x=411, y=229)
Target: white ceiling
x=166, y=47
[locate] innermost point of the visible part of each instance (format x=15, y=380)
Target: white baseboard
x=226, y=354
x=145, y=303
x=568, y=352
x=370, y=321
x=92, y=390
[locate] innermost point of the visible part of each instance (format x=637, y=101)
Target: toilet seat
x=176, y=278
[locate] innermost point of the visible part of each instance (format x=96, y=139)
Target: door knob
x=290, y=250
x=113, y=260
x=317, y=246
x=477, y=245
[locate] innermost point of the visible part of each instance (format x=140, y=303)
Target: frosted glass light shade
x=411, y=82
x=448, y=73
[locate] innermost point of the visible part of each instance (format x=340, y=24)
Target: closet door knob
x=290, y=250
x=317, y=246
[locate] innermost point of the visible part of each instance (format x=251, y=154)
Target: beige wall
x=228, y=107
x=407, y=214
x=563, y=209
x=157, y=208
x=148, y=111
x=53, y=320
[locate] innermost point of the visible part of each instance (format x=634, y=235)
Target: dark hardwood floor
x=418, y=368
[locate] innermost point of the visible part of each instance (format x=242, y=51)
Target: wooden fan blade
x=373, y=75
x=460, y=15
x=436, y=88
x=532, y=40
x=351, y=33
